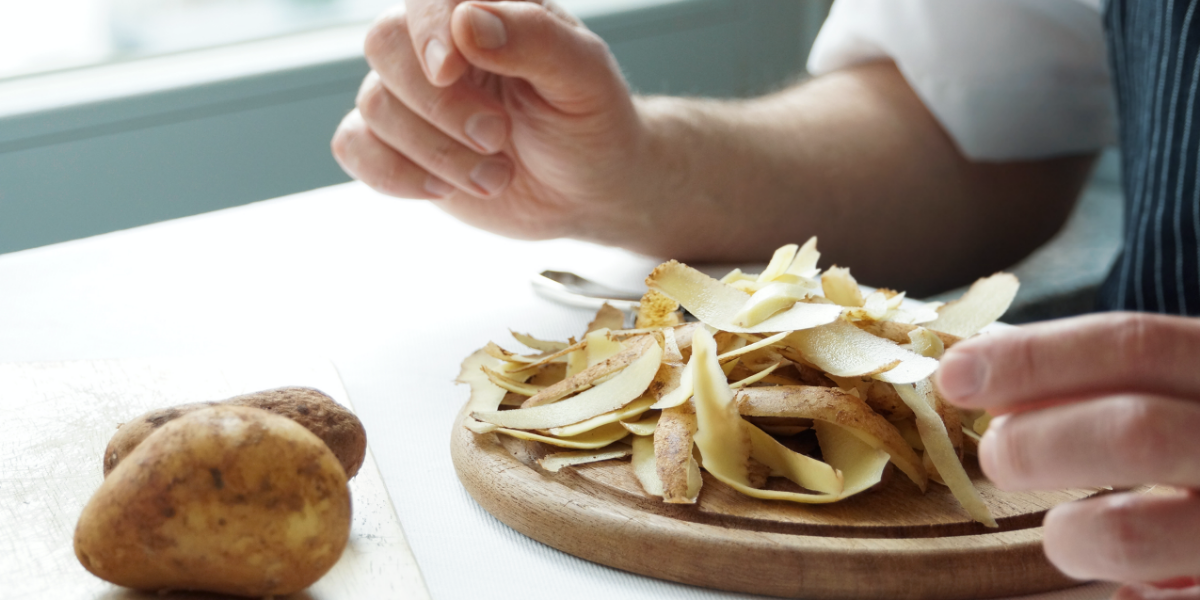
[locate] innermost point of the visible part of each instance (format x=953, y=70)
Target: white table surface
x=395, y=292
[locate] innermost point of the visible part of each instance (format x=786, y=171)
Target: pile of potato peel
x=787, y=354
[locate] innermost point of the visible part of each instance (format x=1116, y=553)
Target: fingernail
x=437, y=188
x=488, y=28
x=487, y=130
x=961, y=376
x=492, y=175
x=435, y=55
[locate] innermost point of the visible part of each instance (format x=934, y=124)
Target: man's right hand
x=512, y=114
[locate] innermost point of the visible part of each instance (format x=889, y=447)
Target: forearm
x=855, y=158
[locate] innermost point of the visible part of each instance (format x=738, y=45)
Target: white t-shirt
x=1007, y=79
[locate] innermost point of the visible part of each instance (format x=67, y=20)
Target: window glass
x=49, y=35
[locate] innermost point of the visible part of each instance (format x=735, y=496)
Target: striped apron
x=1153, y=47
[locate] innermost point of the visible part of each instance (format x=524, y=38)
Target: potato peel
x=861, y=466
x=629, y=411
x=591, y=440
x=542, y=360
x=582, y=380
x=676, y=468
x=540, y=345
x=941, y=451
x=758, y=345
x=986, y=301
x=771, y=356
x=511, y=384
x=717, y=304
x=485, y=395
x=805, y=262
x=608, y=317
x=657, y=310
x=926, y=343
x=642, y=427
x=840, y=287
x=780, y=262
x=802, y=470
x=721, y=435
x=645, y=467
x=834, y=406
x=844, y=350
x=680, y=393
x=556, y=461
x=898, y=332
x=601, y=346
x=755, y=378
x=769, y=300
x=626, y=387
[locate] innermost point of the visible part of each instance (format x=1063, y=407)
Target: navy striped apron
x=1153, y=47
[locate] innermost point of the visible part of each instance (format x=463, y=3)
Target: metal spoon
x=570, y=289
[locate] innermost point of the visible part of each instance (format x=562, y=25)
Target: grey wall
x=84, y=170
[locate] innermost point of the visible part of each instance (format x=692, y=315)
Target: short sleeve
x=1007, y=79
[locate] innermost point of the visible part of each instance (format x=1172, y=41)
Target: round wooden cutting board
x=891, y=543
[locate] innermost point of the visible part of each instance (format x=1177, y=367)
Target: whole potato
x=320, y=414
x=226, y=499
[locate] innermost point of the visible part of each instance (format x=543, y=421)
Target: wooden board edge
x=606, y=532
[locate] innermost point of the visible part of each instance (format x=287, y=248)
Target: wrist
x=662, y=177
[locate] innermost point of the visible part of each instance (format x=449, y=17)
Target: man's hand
x=517, y=119
x=530, y=131
x=1103, y=400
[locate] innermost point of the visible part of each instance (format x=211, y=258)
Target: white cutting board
x=57, y=417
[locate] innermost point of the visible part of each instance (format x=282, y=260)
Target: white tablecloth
x=394, y=292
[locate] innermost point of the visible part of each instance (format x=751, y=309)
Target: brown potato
x=320, y=414
x=226, y=499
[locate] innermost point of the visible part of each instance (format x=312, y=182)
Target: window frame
x=98, y=149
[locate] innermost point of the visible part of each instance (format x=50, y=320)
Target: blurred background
x=52, y=35
x=118, y=113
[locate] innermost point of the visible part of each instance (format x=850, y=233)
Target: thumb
x=570, y=67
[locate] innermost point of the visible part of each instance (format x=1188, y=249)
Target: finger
x=440, y=62
x=570, y=67
x=397, y=126
x=1150, y=592
x=1117, y=441
x=1126, y=537
x=1111, y=352
x=364, y=157
x=461, y=110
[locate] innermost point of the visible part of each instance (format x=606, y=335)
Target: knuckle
x=1022, y=360
x=394, y=180
x=388, y=177
x=372, y=99
x=593, y=44
x=441, y=157
x=1134, y=339
x=388, y=32
x=438, y=103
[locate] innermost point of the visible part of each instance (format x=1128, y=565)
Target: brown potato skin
x=227, y=499
x=339, y=428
